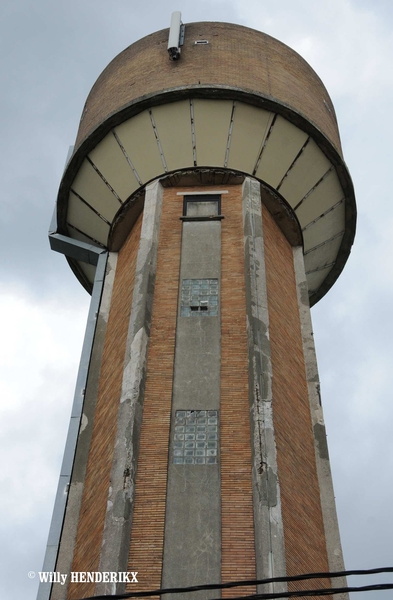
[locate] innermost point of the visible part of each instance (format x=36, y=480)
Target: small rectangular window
x=205, y=205
x=199, y=298
x=195, y=439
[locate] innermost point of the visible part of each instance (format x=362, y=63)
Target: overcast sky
x=51, y=53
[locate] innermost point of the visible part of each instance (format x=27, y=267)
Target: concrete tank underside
x=241, y=104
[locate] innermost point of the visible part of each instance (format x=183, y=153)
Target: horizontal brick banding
x=95, y=493
x=238, y=550
x=147, y=535
x=305, y=545
x=235, y=57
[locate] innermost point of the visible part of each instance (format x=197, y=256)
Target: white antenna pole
x=175, y=32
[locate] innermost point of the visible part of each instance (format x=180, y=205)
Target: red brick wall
x=95, y=492
x=235, y=56
x=147, y=535
x=238, y=548
x=302, y=516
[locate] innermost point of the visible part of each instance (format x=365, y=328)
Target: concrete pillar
x=68, y=537
x=117, y=528
x=332, y=534
x=269, y=535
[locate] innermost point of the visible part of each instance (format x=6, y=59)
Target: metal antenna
x=176, y=36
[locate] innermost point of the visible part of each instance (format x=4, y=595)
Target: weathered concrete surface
x=332, y=534
x=192, y=550
x=197, y=360
x=116, y=537
x=269, y=535
x=67, y=543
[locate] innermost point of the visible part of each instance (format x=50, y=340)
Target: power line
x=268, y=596
x=304, y=593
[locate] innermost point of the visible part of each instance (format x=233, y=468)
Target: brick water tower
x=206, y=205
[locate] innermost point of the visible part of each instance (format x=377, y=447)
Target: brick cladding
x=147, y=535
x=304, y=535
x=238, y=550
x=236, y=57
x=95, y=493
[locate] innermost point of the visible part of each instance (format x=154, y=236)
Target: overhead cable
x=270, y=595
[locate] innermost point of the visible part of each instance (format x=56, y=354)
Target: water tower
x=206, y=205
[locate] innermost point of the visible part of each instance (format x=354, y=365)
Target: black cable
x=296, y=594
x=304, y=593
x=247, y=583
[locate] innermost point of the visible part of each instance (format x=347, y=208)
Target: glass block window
x=195, y=441
x=199, y=298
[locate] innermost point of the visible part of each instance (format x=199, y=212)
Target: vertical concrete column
x=269, y=535
x=116, y=537
x=192, y=550
x=332, y=535
x=68, y=537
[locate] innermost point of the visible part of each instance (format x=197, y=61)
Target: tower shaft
x=203, y=454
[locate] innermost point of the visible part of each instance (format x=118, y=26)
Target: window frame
x=202, y=198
